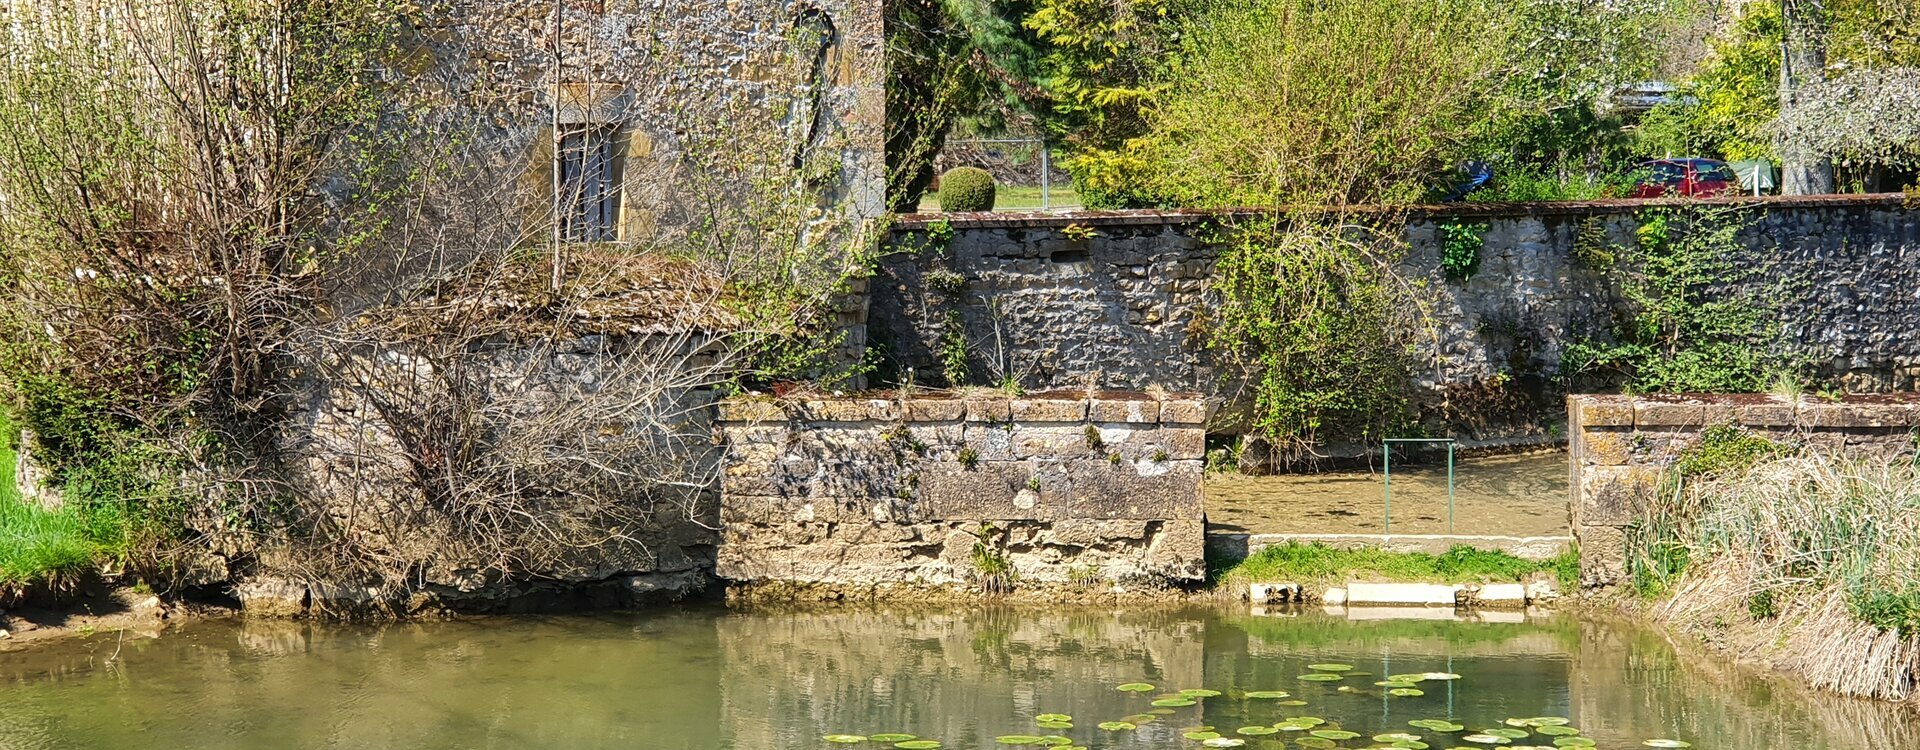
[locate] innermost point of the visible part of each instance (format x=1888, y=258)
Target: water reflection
x=708, y=678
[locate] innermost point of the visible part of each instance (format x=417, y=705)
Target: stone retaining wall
x=1621, y=448
x=1120, y=299
x=1063, y=488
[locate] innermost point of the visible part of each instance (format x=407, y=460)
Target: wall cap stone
x=1856, y=411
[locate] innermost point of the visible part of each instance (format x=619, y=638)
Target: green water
x=707, y=678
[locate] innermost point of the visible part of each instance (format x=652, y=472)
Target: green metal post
x=1386, y=460
x=1449, y=487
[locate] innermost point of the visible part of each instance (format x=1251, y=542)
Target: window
x=588, y=201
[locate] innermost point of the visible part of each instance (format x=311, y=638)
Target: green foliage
x=36, y=545
x=1321, y=102
x=953, y=350
x=1309, y=563
x=1725, y=109
x=930, y=85
x=966, y=189
x=1695, y=326
x=1310, y=314
x=1528, y=183
x=1892, y=611
x=1460, y=245
x=1726, y=449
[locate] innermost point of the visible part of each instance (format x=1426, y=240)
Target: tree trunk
x=1803, y=61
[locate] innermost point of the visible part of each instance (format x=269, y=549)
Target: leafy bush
x=1460, y=245
x=966, y=189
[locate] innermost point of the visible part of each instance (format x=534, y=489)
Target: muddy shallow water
x=1522, y=495
x=710, y=678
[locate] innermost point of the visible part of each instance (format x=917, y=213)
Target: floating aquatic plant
x=891, y=737
x=1199, y=693
x=1406, y=692
x=1267, y=694
x=1174, y=702
x=917, y=745
x=1255, y=731
x=1487, y=739
x=1330, y=667
x=1666, y=743
x=1118, y=726
x=1320, y=677
x=1053, y=717
x=845, y=739
x=1137, y=687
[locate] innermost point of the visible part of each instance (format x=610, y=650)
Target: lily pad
x=1392, y=737
x=1118, y=726
x=1293, y=702
x=1394, y=683
x=1017, y=739
x=1200, y=736
x=1437, y=725
x=1267, y=694
x=1307, y=721
x=918, y=745
x=1512, y=734
x=1411, y=677
x=1174, y=702
x=1486, y=739
x=1136, y=687
x=1054, y=740
x=1406, y=692
x=1054, y=724
x=1053, y=717
x=1666, y=743
x=1199, y=693
x=845, y=739
x=1557, y=730
x=1410, y=745
x=893, y=737
x=1255, y=731
x=1320, y=677
x=1334, y=734
x=1318, y=743
x=1139, y=719
x=1224, y=742
x=1330, y=667
x=1161, y=711
x=1549, y=721
x=1573, y=742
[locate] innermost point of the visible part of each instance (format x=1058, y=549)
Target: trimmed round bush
x=966, y=189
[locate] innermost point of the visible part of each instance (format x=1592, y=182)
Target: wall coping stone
x=1150, y=217
x=1880, y=410
x=1119, y=407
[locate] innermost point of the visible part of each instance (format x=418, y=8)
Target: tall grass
x=37, y=545
x=1812, y=562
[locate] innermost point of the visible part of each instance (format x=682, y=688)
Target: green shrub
x=966, y=189
x=1460, y=245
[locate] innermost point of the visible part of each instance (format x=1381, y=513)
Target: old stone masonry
x=1090, y=490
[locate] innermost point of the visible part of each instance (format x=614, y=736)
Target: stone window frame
x=587, y=160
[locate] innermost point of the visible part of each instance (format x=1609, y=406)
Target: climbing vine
x=1316, y=317
x=1696, y=325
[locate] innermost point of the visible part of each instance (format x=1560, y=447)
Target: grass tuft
x=37, y=545
x=1318, y=563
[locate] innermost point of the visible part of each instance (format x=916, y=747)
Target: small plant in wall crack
x=969, y=458
x=953, y=350
x=1094, y=441
x=992, y=570
x=1079, y=232
x=1460, y=245
x=1033, y=483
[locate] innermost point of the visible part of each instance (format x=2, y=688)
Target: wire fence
x=1023, y=168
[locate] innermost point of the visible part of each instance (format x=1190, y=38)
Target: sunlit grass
x=36, y=544
x=1318, y=563
x=1017, y=198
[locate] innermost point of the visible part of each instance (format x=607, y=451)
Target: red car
x=1688, y=178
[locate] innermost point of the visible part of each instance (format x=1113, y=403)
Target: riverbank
x=98, y=609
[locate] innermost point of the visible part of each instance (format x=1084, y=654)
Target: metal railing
x=1046, y=163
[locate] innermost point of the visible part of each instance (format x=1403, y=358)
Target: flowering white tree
x=1867, y=116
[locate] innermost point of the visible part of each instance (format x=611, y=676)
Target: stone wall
x=1119, y=298
x=1061, y=487
x=1621, y=448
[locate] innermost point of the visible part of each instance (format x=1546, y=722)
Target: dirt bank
x=95, y=610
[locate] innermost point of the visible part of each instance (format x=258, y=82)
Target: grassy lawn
x=1318, y=563
x=1016, y=198
x=36, y=544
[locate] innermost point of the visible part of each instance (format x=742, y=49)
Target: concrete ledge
x=1236, y=546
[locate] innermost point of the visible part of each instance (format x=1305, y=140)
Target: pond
x=708, y=678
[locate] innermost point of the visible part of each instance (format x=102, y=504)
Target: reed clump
x=1810, y=562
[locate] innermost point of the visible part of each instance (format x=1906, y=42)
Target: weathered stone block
x=937, y=441
x=1104, y=490
x=1668, y=414
x=1603, y=555
x=1606, y=447
x=1178, y=550
x=936, y=410
x=1184, y=411
x=849, y=410
x=1049, y=410
x=1612, y=495
x=1603, y=411
x=1184, y=444
x=989, y=410
x=1128, y=411
x=1766, y=415
x=987, y=491
x=1053, y=441
x=751, y=410
x=1085, y=532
